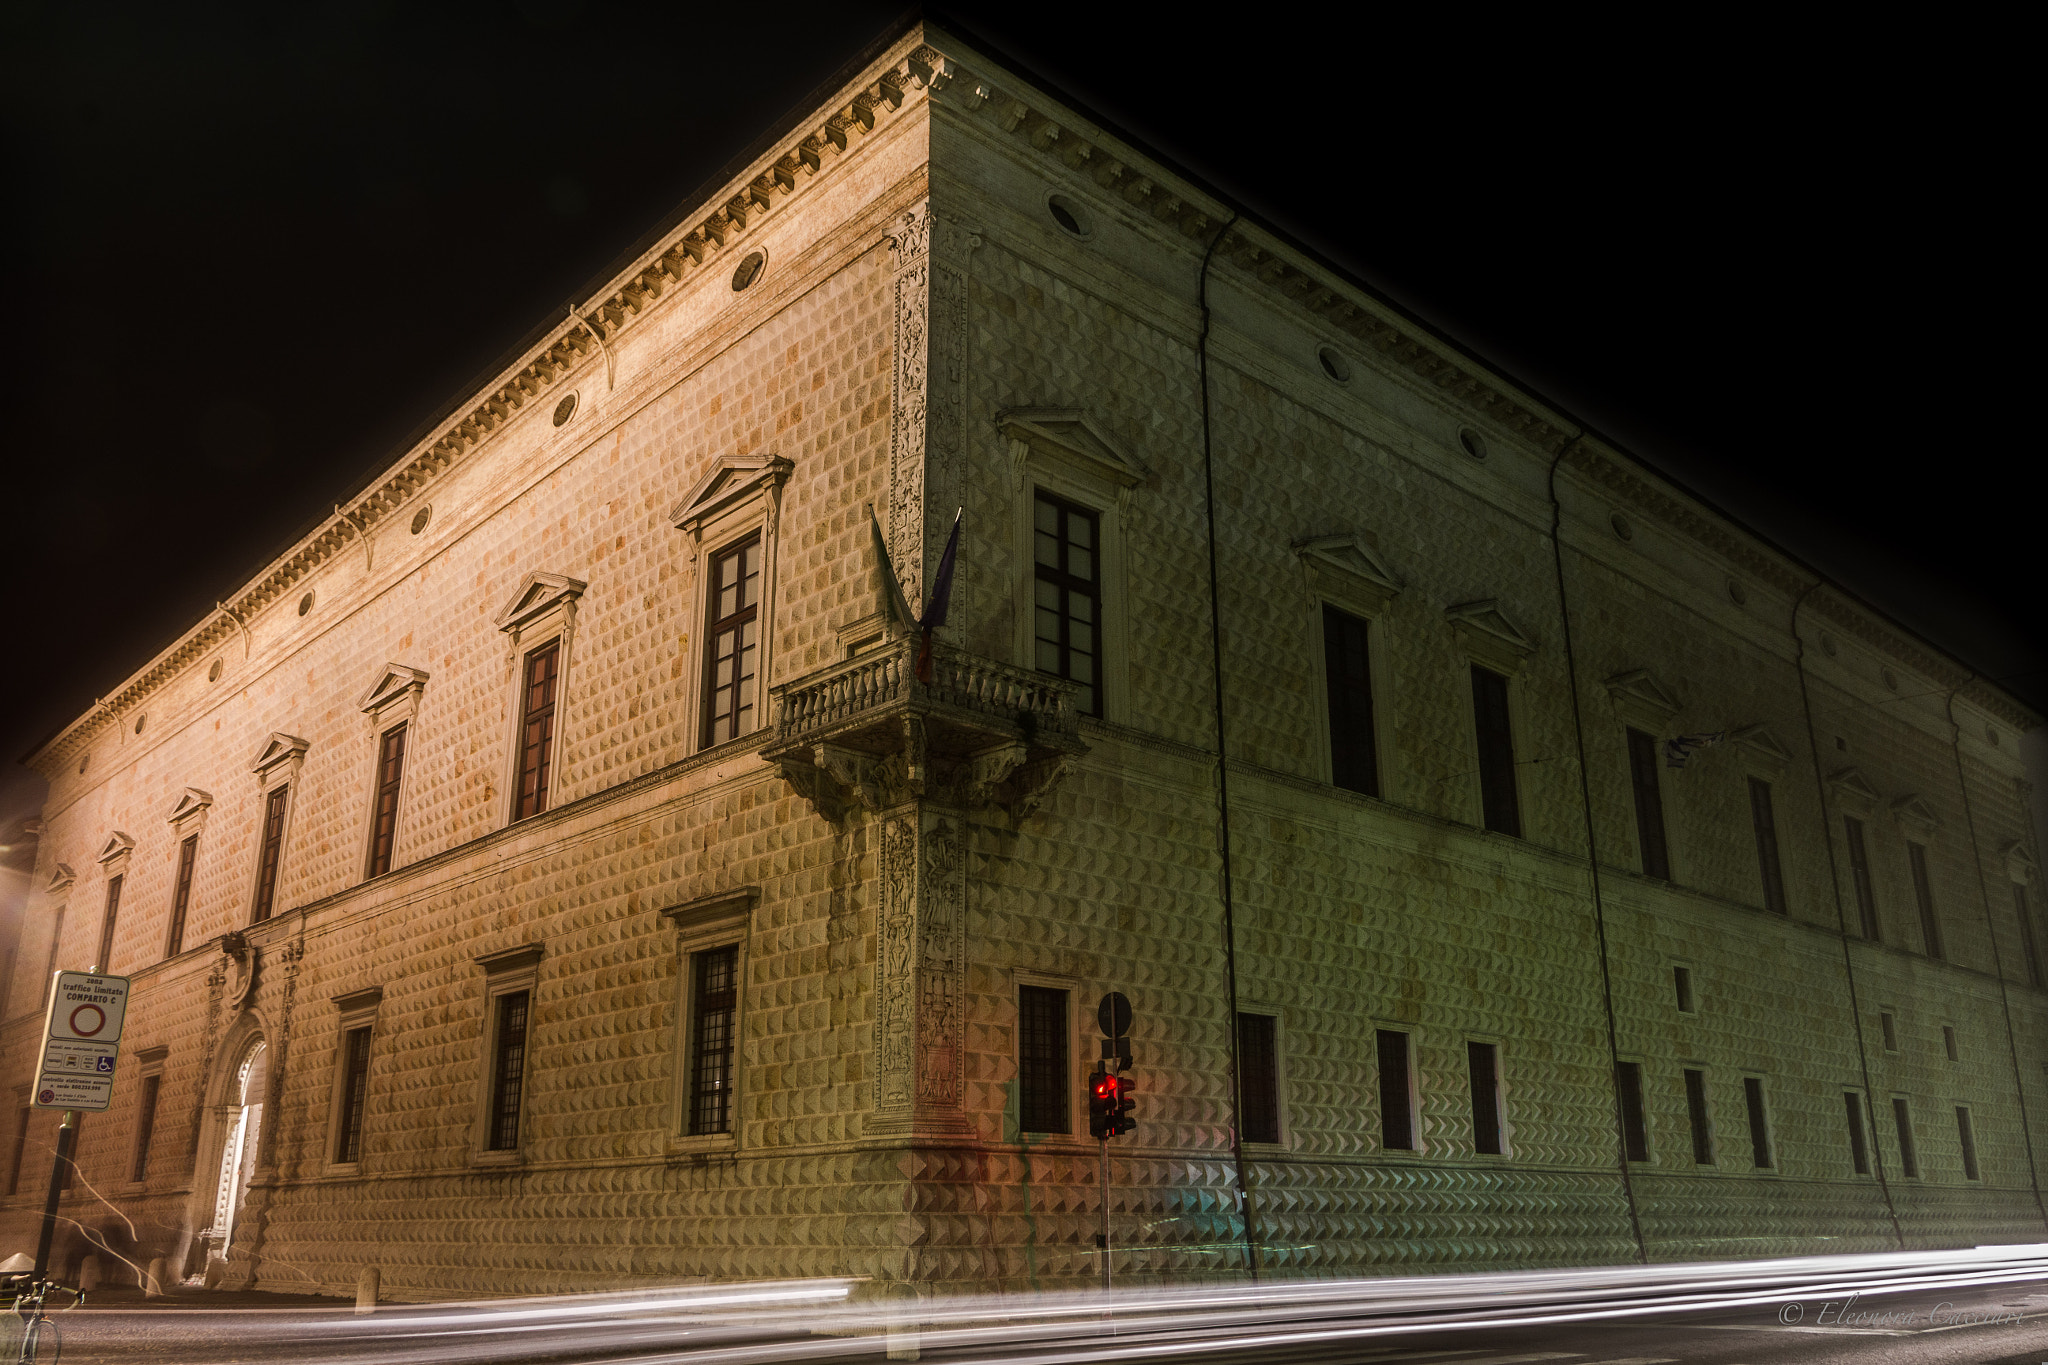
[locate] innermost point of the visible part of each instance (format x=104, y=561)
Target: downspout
x=1244, y=1189
x=1827, y=830
x=1571, y=673
x=2019, y=1088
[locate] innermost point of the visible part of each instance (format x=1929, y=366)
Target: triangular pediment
x=116, y=845
x=731, y=481
x=1485, y=625
x=189, y=804
x=393, y=682
x=278, y=748
x=1352, y=556
x=1849, y=784
x=61, y=876
x=1073, y=435
x=1761, y=743
x=1915, y=815
x=1638, y=690
x=537, y=593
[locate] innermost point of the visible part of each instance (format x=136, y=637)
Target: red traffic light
x=1109, y=1105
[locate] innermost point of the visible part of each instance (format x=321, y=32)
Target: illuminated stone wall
x=927, y=336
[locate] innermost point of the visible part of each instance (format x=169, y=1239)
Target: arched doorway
x=241, y=1115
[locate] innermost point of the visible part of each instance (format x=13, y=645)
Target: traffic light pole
x=1104, y=1238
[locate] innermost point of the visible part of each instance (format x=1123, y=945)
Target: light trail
x=785, y=1322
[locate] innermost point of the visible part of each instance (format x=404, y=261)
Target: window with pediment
x=732, y=518
x=540, y=624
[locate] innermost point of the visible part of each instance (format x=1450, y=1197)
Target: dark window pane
x=508, y=1071
x=1258, y=1066
x=1397, y=1104
x=1966, y=1137
x=1642, y=773
x=103, y=960
x=272, y=852
x=1696, y=1111
x=715, y=1006
x=1859, y=1151
x=384, y=818
x=1681, y=983
x=1923, y=893
x=1068, y=594
x=732, y=660
x=14, y=1157
x=1859, y=873
x=1484, y=1059
x=1759, y=1126
x=181, y=896
x=355, y=1086
x=1042, y=1060
x=1909, y=1158
x=537, y=730
x=1500, y=806
x=1765, y=823
x=1635, y=1136
x=1347, y=673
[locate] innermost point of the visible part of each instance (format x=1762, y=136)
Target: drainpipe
x=1571, y=673
x=1244, y=1189
x=1841, y=918
x=2019, y=1089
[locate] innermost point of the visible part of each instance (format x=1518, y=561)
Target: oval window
x=748, y=270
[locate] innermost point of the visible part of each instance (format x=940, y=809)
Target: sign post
x=81, y=1043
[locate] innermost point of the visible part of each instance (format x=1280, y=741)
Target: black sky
x=250, y=253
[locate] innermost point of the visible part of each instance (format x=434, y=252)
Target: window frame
x=1500, y=1097
x=1699, y=1115
x=1069, y=506
x=1282, y=1135
x=1376, y=681
x=1770, y=849
x=1646, y=787
x=278, y=764
x=1968, y=1150
x=1511, y=693
x=506, y=973
x=1862, y=878
x=736, y=498
x=547, y=768
x=542, y=613
x=1932, y=940
x=183, y=875
x=396, y=789
x=103, y=955
x=1419, y=1144
x=148, y=1108
x=1905, y=1133
x=707, y=715
x=1068, y=455
x=356, y=1011
x=707, y=924
x=1763, y=1137
x=277, y=800
x=1077, y=1066
x=1639, y=1133
x=2030, y=944
x=1862, y=1132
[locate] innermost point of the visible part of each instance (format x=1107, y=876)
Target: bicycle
x=24, y=1328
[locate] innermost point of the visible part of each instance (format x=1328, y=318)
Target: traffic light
x=1109, y=1105
x=1102, y=1091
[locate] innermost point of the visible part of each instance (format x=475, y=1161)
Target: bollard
x=153, y=1282
x=89, y=1273
x=366, y=1289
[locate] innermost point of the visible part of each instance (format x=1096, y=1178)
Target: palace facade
x=568, y=868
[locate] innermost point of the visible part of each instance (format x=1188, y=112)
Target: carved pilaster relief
x=896, y=964
x=911, y=249
x=942, y=952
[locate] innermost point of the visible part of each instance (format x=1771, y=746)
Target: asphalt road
x=2004, y=1324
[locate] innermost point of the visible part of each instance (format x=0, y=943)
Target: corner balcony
x=977, y=733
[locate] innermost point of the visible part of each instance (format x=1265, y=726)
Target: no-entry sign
x=81, y=1041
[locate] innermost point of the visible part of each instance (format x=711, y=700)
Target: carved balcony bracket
x=869, y=734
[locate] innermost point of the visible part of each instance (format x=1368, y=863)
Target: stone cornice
x=905, y=73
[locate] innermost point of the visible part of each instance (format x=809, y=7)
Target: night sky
x=250, y=255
